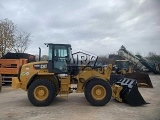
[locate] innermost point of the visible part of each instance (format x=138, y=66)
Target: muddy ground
x=14, y=105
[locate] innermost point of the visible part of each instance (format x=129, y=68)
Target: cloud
x=100, y=27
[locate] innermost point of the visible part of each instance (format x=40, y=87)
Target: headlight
x=40, y=66
x=43, y=66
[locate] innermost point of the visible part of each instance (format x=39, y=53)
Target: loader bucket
x=143, y=79
x=130, y=94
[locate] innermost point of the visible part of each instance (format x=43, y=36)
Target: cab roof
x=57, y=44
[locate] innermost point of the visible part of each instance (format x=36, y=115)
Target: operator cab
x=60, y=55
x=122, y=64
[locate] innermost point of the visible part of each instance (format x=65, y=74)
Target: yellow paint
x=98, y=92
x=16, y=83
x=41, y=93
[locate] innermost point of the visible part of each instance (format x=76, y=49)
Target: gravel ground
x=14, y=105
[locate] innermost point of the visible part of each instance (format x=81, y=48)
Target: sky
x=97, y=26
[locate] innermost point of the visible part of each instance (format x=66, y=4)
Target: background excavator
x=44, y=80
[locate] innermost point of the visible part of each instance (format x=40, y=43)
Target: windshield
x=123, y=64
x=50, y=53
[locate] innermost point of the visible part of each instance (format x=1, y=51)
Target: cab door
x=57, y=62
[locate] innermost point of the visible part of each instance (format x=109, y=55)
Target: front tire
x=98, y=92
x=41, y=92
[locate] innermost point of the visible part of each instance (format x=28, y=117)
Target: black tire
x=89, y=92
x=38, y=85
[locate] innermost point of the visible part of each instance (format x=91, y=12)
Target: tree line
x=13, y=39
x=153, y=56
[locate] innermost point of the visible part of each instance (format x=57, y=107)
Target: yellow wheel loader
x=123, y=67
x=124, y=70
x=44, y=80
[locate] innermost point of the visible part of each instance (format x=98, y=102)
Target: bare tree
x=21, y=41
x=153, y=56
x=7, y=29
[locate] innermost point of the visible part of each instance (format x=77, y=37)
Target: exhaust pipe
x=39, y=54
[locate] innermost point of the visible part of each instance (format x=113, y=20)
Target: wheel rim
x=98, y=92
x=41, y=93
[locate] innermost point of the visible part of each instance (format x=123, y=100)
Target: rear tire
x=98, y=92
x=41, y=92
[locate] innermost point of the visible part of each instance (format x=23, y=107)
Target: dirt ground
x=14, y=105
